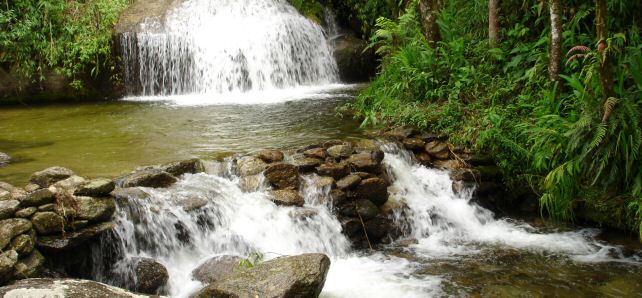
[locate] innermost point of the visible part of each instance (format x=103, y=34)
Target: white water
x=218, y=47
x=239, y=223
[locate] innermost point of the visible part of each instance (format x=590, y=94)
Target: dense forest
x=550, y=88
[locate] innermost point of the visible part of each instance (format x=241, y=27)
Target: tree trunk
x=428, y=11
x=555, y=58
x=493, y=23
x=601, y=22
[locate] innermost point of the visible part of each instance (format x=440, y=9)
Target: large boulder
x=340, y=151
x=37, y=197
x=373, y=189
x=12, y=227
x=334, y=170
x=438, y=149
x=348, y=182
x=286, y=197
x=49, y=176
x=29, y=267
x=95, y=188
x=216, y=268
x=156, y=178
x=282, y=175
x=48, y=222
x=23, y=244
x=250, y=165
x=95, y=209
x=356, y=62
x=8, y=208
x=306, y=164
x=296, y=276
x=56, y=243
x=318, y=153
x=151, y=276
x=179, y=168
x=366, y=209
x=67, y=288
x=365, y=162
x=8, y=259
x=129, y=194
x=270, y=155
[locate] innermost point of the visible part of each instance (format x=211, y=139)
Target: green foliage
x=254, y=259
x=71, y=37
x=576, y=147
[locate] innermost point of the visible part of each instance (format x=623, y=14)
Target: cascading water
x=227, y=46
x=169, y=227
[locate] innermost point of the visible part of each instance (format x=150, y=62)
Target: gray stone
x=8, y=208
x=322, y=182
x=366, y=209
x=334, y=170
x=413, y=143
x=72, y=239
x=282, y=175
x=348, y=182
x=318, y=153
x=95, y=188
x=340, y=151
x=438, y=149
x=306, y=164
x=67, y=288
x=29, y=267
x=95, y=209
x=364, y=162
x=129, y=194
x=39, y=197
x=26, y=212
x=48, y=222
x=4, y=159
x=286, y=197
x=190, y=203
x=8, y=259
x=23, y=244
x=49, y=176
x=47, y=207
x=70, y=183
x=148, y=178
x=270, y=155
x=356, y=62
x=250, y=165
x=12, y=227
x=5, y=195
x=373, y=189
x=216, y=268
x=179, y=168
x=32, y=187
x=151, y=276
x=296, y=276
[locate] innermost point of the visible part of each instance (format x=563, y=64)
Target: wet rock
x=424, y=158
x=151, y=276
x=348, y=182
x=32, y=187
x=364, y=175
x=5, y=195
x=95, y=209
x=489, y=173
x=356, y=62
x=270, y=155
x=252, y=183
x=12, y=227
x=330, y=143
x=364, y=162
x=39, y=197
x=190, y=203
x=49, y=176
x=307, y=164
x=68, y=288
x=70, y=183
x=4, y=159
x=23, y=244
x=296, y=276
x=129, y=194
x=373, y=189
x=337, y=197
x=366, y=209
x=377, y=228
x=413, y=144
x=407, y=242
x=29, y=267
x=334, y=170
x=392, y=206
x=179, y=168
x=318, y=153
x=438, y=149
x=148, y=178
x=322, y=182
x=449, y=164
x=96, y=188
x=216, y=268
x=303, y=214
x=47, y=207
x=46, y=223
x=340, y=151
x=26, y=212
x=250, y=165
x=466, y=175
x=400, y=133
x=8, y=208
x=429, y=137
x=286, y=197
x=8, y=259
x=282, y=175
x=72, y=239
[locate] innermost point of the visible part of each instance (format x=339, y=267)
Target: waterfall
x=235, y=221
x=226, y=46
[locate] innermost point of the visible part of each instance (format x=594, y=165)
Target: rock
x=340, y=151
x=148, y=178
x=12, y=227
x=190, y=203
x=322, y=182
x=270, y=155
x=8, y=208
x=4, y=159
x=39, y=197
x=216, y=268
x=70, y=183
x=429, y=137
x=46, y=223
x=465, y=175
x=23, y=244
x=282, y=175
x=413, y=144
x=252, y=183
x=334, y=170
x=489, y=173
x=250, y=165
x=29, y=267
x=26, y=212
x=296, y=276
x=47, y=207
x=392, y=206
x=377, y=228
x=179, y=168
x=95, y=188
x=366, y=209
x=337, y=197
x=407, y=242
x=32, y=187
x=373, y=189
x=18, y=194
x=72, y=239
x=318, y=153
x=424, y=158
x=286, y=197
x=364, y=162
x=8, y=259
x=355, y=61
x=307, y=164
x=5, y=195
x=303, y=214
x=449, y=164
x=348, y=182
x=438, y=149
x=151, y=276
x=94, y=209
x=352, y=227
x=6, y=186
x=129, y=194
x=400, y=133
x=67, y=288
x=49, y=176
